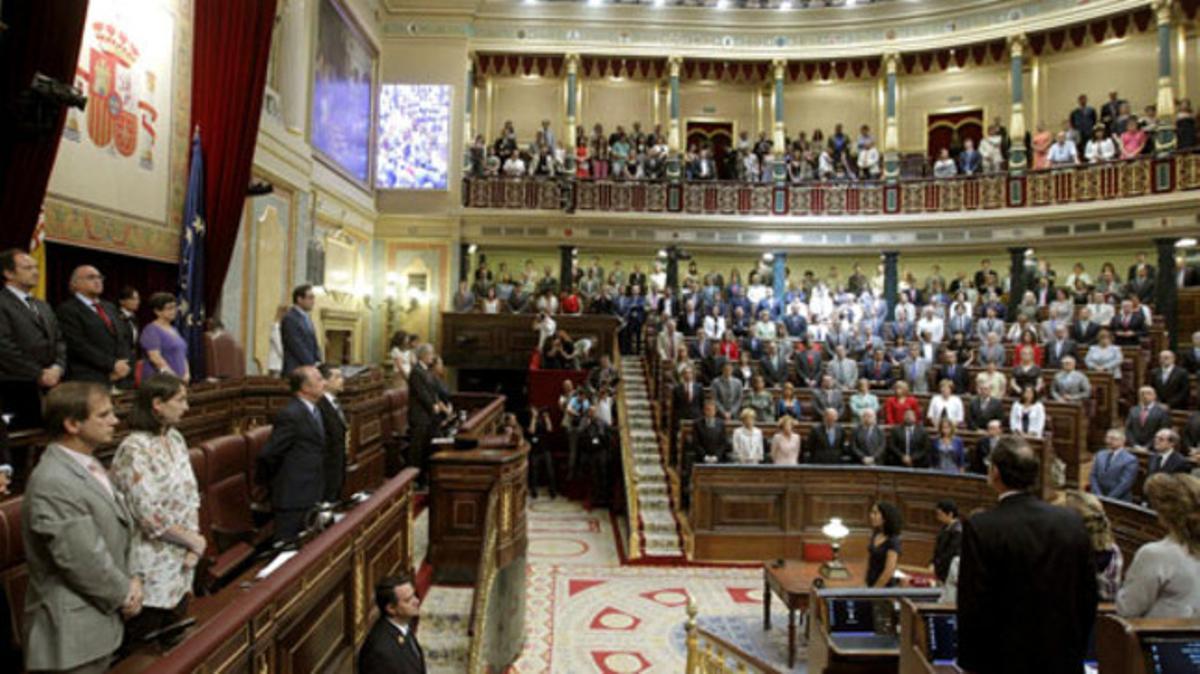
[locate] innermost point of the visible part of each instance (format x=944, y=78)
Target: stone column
x=779, y=274
x=1164, y=134
x=1017, y=161
x=891, y=279
x=293, y=63
x=464, y=262
x=568, y=134
x=1016, y=276
x=566, y=267
x=1166, y=288
x=891, y=131
x=673, y=270
x=674, y=131
x=779, y=138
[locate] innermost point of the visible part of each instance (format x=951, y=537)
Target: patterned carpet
x=586, y=613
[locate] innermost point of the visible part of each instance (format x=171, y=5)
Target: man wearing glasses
x=97, y=350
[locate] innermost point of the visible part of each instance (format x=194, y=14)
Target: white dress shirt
x=747, y=445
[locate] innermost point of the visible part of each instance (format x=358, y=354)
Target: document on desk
x=279, y=561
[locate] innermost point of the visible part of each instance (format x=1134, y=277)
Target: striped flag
x=190, y=321
x=37, y=250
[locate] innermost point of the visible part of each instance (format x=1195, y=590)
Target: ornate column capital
x=1163, y=11
x=891, y=62
x=674, y=63
x=1017, y=44
x=779, y=67
x=572, y=61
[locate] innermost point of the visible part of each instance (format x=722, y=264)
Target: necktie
x=908, y=440
x=1142, y=417
x=316, y=414
x=103, y=315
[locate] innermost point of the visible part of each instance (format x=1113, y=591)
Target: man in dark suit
x=709, y=444
x=908, y=444
x=334, y=419
x=422, y=415
x=953, y=371
x=1141, y=265
x=826, y=441
x=1191, y=354
x=391, y=646
x=691, y=321
x=809, y=367
x=878, y=371
x=867, y=441
x=1170, y=383
x=128, y=302
x=300, y=346
x=1083, y=120
x=775, y=367
x=984, y=407
x=1027, y=588
x=948, y=544
x=1058, y=348
x=1141, y=286
x=292, y=462
x=689, y=397
x=1167, y=457
x=1083, y=329
x=981, y=276
x=33, y=355
x=1128, y=325
x=1145, y=419
x=96, y=349
x=979, y=456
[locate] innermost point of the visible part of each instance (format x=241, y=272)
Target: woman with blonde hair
x=1164, y=579
x=785, y=445
x=747, y=440
x=1104, y=546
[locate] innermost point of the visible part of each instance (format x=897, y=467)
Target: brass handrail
x=708, y=653
x=485, y=578
x=634, y=550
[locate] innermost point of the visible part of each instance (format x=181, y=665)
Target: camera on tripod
x=39, y=106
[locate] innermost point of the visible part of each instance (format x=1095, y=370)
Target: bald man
x=97, y=349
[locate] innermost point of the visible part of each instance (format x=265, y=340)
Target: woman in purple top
x=165, y=350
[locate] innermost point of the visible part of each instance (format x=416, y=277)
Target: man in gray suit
x=843, y=369
x=868, y=441
x=826, y=397
x=76, y=530
x=992, y=351
x=1070, y=385
x=727, y=392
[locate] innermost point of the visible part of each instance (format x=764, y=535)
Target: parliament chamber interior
x=613, y=336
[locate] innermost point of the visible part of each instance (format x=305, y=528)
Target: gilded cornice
x=647, y=31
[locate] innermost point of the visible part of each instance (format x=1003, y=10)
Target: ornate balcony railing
x=1073, y=185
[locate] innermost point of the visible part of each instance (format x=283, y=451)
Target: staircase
x=660, y=531
x=445, y=619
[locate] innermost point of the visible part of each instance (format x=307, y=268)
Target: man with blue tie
x=300, y=346
x=1114, y=469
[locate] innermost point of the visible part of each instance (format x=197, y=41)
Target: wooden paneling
x=1188, y=316
x=506, y=341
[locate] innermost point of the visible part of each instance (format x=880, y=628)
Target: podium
x=459, y=486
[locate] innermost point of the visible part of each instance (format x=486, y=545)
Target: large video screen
x=414, y=137
x=341, y=101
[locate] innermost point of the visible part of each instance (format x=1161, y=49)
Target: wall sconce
x=835, y=531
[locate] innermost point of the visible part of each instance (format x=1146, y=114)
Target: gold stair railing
x=708, y=653
x=634, y=547
x=485, y=578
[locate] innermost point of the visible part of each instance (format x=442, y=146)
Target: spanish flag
x=37, y=250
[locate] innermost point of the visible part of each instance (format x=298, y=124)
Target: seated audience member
x=391, y=646
x=883, y=549
x=1070, y=385
x=1027, y=416
x=907, y=444
x=979, y=459
x=1108, y=556
x=826, y=441
x=984, y=407
x=1100, y=147
x=1104, y=355
x=867, y=440
x=946, y=405
x=1114, y=469
x=863, y=400
x=291, y=462
x=760, y=400
x=1170, y=382
x=76, y=534
x=747, y=440
x=727, y=392
x=948, y=544
x=153, y=471
x=896, y=407
x=1145, y=419
x=949, y=455
x=785, y=444
x=991, y=352
x=788, y=404
x=96, y=351
x=1063, y=152
x=33, y=355
x=944, y=167
x=491, y=303
x=1164, y=579
x=1168, y=457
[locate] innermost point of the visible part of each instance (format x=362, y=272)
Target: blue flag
x=190, y=321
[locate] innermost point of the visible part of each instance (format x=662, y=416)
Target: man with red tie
x=97, y=350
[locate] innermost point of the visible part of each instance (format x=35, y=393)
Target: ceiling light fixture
x=722, y=4
x=785, y=5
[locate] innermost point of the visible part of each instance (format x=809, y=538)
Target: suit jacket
x=689, y=324
x=979, y=412
x=1085, y=333
x=1175, y=463
x=1189, y=358
x=866, y=442
x=894, y=329
x=77, y=538
x=1175, y=391
x=1113, y=474
x=292, y=462
x=1053, y=359
x=809, y=366
x=777, y=371
x=728, y=395
x=945, y=548
x=684, y=409
x=383, y=653
x=422, y=396
x=988, y=325
x=29, y=343
x=1027, y=589
x=1137, y=324
x=334, y=463
x=1142, y=434
x=818, y=448
x=977, y=456
x=991, y=354
x=881, y=378
x=92, y=348
x=709, y=441
x=1071, y=386
x=919, y=448
x=958, y=377
x=828, y=399
x=844, y=372
x=300, y=345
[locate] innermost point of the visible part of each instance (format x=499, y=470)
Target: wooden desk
x=792, y=583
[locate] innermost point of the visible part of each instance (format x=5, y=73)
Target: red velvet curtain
x=42, y=36
x=229, y=71
x=942, y=127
